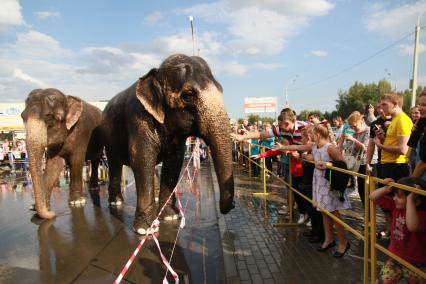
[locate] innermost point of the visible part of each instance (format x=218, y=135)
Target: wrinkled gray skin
x=65, y=128
x=149, y=122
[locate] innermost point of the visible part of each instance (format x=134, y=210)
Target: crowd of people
x=13, y=155
x=389, y=146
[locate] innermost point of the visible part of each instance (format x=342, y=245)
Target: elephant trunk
x=215, y=129
x=36, y=137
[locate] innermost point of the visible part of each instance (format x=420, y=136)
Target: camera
x=416, y=134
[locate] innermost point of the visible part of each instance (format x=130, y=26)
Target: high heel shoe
x=341, y=254
x=330, y=245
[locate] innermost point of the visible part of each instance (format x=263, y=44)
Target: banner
x=266, y=104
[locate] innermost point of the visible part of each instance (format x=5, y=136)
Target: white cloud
x=394, y=21
x=301, y=7
x=319, y=53
x=178, y=43
x=10, y=15
x=153, y=18
x=259, y=29
x=36, y=44
x=144, y=62
x=408, y=49
x=105, y=49
x=219, y=66
x=47, y=14
x=19, y=74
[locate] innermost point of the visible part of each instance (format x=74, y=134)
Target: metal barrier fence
x=368, y=236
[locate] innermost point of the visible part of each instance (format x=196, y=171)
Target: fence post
x=373, y=230
x=366, y=224
x=248, y=159
x=290, y=195
x=241, y=157
x=264, y=171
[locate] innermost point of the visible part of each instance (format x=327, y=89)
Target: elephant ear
x=148, y=92
x=75, y=108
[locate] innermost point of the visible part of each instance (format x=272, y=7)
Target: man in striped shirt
x=291, y=129
x=288, y=127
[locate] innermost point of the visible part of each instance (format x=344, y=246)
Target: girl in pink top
x=408, y=229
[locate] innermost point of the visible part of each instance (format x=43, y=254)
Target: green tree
x=303, y=115
x=255, y=118
x=407, y=98
x=359, y=95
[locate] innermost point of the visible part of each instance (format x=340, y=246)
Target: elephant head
x=183, y=95
x=48, y=116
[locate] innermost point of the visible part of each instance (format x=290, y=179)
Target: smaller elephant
x=63, y=128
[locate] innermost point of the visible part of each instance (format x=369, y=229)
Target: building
x=11, y=124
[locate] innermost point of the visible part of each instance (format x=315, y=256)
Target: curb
x=229, y=268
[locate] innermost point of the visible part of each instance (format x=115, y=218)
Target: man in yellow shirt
x=394, y=144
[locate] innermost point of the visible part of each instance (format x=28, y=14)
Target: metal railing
x=368, y=236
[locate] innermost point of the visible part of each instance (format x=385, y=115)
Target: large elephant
x=62, y=128
x=149, y=122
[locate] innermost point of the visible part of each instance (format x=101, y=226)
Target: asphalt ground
x=92, y=244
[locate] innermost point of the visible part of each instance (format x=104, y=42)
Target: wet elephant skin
x=64, y=129
x=149, y=122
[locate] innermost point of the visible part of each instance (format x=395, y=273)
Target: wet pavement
x=93, y=243
x=264, y=253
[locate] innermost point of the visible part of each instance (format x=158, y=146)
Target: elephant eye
x=49, y=118
x=187, y=96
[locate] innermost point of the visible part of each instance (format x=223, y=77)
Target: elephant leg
x=94, y=176
x=54, y=166
x=170, y=172
x=143, y=165
x=115, y=198
x=76, y=184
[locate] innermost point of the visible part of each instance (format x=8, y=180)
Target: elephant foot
x=32, y=207
x=143, y=222
x=81, y=201
x=116, y=201
x=93, y=183
x=170, y=213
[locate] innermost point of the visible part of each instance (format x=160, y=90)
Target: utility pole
x=416, y=58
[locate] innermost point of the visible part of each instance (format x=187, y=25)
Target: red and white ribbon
x=163, y=258
x=156, y=223
x=130, y=261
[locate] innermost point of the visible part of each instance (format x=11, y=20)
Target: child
x=323, y=151
x=408, y=229
x=316, y=234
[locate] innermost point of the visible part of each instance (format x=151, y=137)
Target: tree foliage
x=252, y=118
x=303, y=115
x=357, y=97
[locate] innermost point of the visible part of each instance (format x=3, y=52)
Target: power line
x=354, y=65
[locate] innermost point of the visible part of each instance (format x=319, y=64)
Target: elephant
x=64, y=128
x=149, y=122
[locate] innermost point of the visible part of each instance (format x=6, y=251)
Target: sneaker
x=282, y=212
x=302, y=219
x=309, y=224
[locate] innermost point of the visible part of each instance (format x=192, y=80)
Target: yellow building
x=11, y=121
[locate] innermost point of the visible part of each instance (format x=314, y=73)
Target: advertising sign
x=256, y=105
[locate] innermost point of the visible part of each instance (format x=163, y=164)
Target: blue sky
x=94, y=49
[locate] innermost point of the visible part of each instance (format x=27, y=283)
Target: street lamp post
x=390, y=78
x=191, y=19
x=286, y=89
